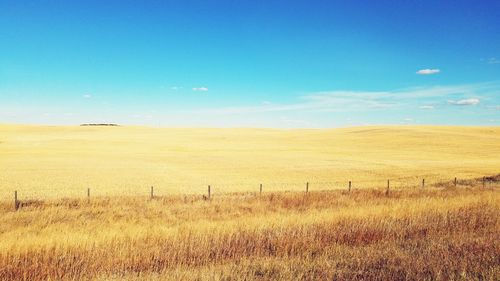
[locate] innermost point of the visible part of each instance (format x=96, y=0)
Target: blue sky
x=282, y=64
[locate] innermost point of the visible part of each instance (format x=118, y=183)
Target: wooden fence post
x=455, y=181
x=16, y=203
x=152, y=193
x=484, y=182
x=387, y=191
x=260, y=189
x=423, y=183
x=209, y=192
x=307, y=187
x=88, y=194
x=349, y=186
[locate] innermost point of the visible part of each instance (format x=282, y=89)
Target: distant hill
x=104, y=124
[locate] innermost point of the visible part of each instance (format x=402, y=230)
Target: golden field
x=439, y=232
x=53, y=162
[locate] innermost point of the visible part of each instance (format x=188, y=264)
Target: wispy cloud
x=352, y=101
x=87, y=96
x=491, y=60
x=143, y=116
x=200, y=89
x=465, y=102
x=296, y=122
x=428, y=71
x=427, y=107
x=175, y=88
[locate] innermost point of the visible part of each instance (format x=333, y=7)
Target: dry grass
x=442, y=234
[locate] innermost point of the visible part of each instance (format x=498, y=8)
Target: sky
x=277, y=64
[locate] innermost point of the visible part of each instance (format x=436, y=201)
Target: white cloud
x=201, y=89
x=87, y=96
x=407, y=121
x=340, y=100
x=428, y=71
x=175, y=88
x=427, y=107
x=349, y=101
x=334, y=101
x=492, y=61
x=472, y=101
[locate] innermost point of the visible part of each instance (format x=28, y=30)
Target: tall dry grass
x=410, y=234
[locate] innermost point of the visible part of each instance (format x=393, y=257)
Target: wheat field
x=53, y=162
x=441, y=231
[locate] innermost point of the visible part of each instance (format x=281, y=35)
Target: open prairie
x=54, y=162
x=192, y=147
x=446, y=233
x=441, y=231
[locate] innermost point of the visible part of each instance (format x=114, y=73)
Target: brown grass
x=411, y=234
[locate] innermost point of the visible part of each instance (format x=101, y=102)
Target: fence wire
x=164, y=188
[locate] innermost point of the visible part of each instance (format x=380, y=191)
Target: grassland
x=54, y=162
x=434, y=234
x=440, y=232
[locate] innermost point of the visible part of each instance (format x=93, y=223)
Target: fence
x=207, y=193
